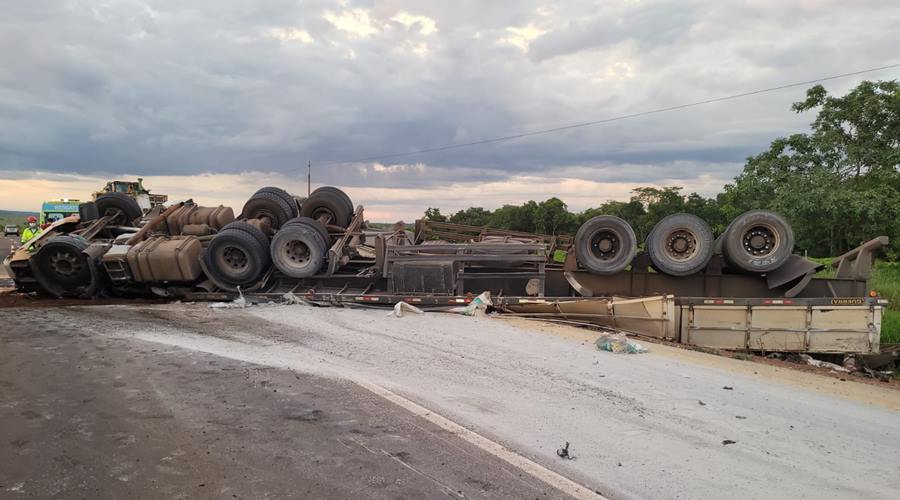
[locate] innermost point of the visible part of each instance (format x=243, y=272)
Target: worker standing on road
x=32, y=230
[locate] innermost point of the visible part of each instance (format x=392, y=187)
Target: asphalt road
x=162, y=380
x=89, y=415
x=7, y=243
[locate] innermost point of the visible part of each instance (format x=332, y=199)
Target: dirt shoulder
x=867, y=391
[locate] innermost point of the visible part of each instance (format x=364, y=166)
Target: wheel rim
x=297, y=253
x=267, y=216
x=760, y=241
x=325, y=216
x=681, y=245
x=65, y=265
x=232, y=259
x=119, y=218
x=606, y=245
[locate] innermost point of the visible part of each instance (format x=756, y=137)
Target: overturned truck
x=743, y=290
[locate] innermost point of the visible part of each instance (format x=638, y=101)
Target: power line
x=612, y=119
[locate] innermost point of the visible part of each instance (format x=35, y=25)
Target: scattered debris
x=619, y=343
x=851, y=363
x=290, y=298
x=884, y=376
x=822, y=364
x=402, y=307
x=478, y=306
x=727, y=442
x=238, y=303
x=564, y=452
x=727, y=387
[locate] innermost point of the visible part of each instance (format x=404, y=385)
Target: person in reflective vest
x=32, y=230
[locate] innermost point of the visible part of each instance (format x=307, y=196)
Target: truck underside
x=321, y=250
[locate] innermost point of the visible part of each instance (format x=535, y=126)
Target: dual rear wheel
x=240, y=253
x=299, y=249
x=682, y=244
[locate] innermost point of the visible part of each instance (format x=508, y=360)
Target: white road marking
x=529, y=467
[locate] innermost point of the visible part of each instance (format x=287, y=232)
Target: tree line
x=838, y=185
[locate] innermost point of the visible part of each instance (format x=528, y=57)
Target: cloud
x=239, y=90
x=290, y=35
x=424, y=25
x=522, y=37
x=356, y=22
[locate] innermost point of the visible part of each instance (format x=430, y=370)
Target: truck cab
x=135, y=190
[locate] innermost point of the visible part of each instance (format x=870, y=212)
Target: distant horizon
x=381, y=203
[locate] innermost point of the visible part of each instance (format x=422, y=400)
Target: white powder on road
x=533, y=392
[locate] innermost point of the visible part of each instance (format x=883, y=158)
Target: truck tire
x=605, y=244
x=266, y=205
x=758, y=241
x=327, y=206
x=680, y=245
x=719, y=244
x=318, y=226
x=344, y=196
x=88, y=212
x=284, y=195
x=236, y=257
x=123, y=208
x=298, y=250
x=62, y=269
x=249, y=229
x=299, y=200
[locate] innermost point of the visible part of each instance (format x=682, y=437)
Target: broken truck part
x=744, y=290
x=817, y=325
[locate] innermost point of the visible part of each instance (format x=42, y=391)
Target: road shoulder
x=886, y=397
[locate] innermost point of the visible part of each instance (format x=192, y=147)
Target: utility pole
x=308, y=176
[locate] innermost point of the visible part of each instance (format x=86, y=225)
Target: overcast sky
x=213, y=99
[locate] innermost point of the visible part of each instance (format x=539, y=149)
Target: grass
x=886, y=281
x=13, y=217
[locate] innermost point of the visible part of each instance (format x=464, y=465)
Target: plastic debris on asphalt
x=478, y=306
x=238, y=303
x=564, y=452
x=400, y=308
x=619, y=343
x=822, y=364
x=290, y=298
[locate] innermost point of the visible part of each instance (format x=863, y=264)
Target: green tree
x=472, y=216
x=658, y=203
x=707, y=209
x=435, y=215
x=631, y=211
x=553, y=217
x=515, y=217
x=839, y=184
